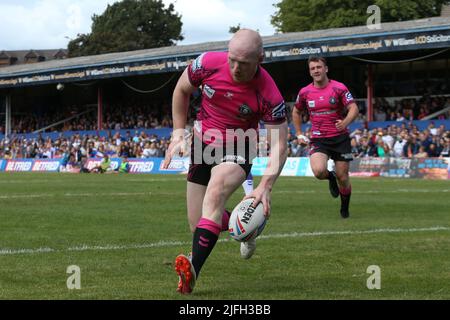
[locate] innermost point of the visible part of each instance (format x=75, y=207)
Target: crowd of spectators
x=116, y=117
x=138, y=115
x=410, y=108
x=393, y=141
x=401, y=140
x=137, y=145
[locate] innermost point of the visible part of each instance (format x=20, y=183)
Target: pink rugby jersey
x=230, y=105
x=325, y=106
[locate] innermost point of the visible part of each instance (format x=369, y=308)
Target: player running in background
x=331, y=109
x=236, y=94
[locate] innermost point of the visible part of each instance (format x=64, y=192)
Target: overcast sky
x=49, y=24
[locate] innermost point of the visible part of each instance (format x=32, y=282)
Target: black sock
x=202, y=245
x=345, y=202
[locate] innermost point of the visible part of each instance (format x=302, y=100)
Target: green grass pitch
x=124, y=231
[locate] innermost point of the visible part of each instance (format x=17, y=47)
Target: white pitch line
x=151, y=193
x=161, y=244
x=93, y=194
x=349, y=232
x=369, y=192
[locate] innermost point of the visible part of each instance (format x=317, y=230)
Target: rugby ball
x=246, y=222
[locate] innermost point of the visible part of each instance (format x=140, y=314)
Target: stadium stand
x=53, y=107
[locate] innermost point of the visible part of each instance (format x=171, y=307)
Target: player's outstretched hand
x=177, y=147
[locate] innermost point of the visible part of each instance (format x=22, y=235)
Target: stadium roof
x=397, y=36
x=24, y=56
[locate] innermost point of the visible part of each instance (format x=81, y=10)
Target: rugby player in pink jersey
x=236, y=94
x=331, y=109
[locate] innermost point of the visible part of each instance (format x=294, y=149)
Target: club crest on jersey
x=209, y=92
x=245, y=111
x=332, y=100
x=311, y=104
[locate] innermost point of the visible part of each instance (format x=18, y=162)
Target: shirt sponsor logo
x=322, y=112
x=311, y=104
x=209, y=92
x=316, y=133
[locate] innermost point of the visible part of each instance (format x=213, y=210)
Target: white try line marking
x=161, y=244
x=151, y=193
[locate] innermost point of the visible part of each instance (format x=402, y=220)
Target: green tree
x=305, y=15
x=234, y=29
x=129, y=25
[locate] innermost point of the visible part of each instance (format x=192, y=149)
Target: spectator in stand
x=146, y=153
x=422, y=153
x=432, y=129
x=356, y=148
x=163, y=147
x=425, y=140
x=391, y=116
x=368, y=148
x=440, y=143
x=432, y=151
x=382, y=149
x=65, y=157
x=399, y=145
x=445, y=151
x=137, y=150
x=411, y=147
x=124, y=149
x=357, y=134
x=422, y=113
x=7, y=155
x=399, y=117
x=387, y=138
x=379, y=114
